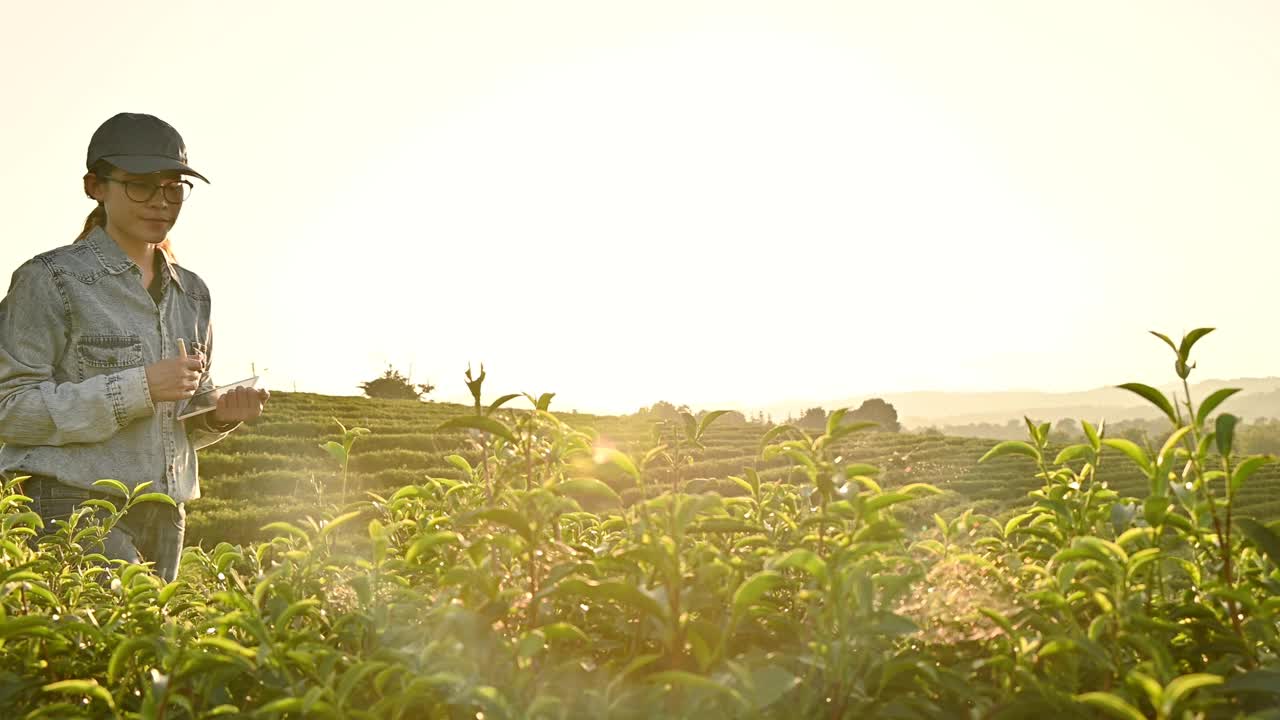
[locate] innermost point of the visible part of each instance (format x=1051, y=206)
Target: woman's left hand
x=240, y=404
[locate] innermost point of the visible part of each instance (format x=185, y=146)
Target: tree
x=662, y=410
x=877, y=411
x=814, y=417
x=394, y=386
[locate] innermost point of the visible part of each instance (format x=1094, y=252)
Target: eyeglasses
x=141, y=191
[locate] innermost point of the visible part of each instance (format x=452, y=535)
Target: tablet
x=204, y=402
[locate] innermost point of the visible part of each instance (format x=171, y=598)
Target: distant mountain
x=1259, y=397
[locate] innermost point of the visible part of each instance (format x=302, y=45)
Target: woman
x=94, y=367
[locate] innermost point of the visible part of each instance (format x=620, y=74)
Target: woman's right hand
x=174, y=378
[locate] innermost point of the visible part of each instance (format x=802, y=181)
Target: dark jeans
x=148, y=532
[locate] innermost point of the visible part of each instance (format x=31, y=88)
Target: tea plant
x=525, y=585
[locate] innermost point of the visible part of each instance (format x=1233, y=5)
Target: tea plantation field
x=274, y=468
x=412, y=560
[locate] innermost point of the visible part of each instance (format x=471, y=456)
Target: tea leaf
x=1131, y=449
x=338, y=522
x=116, y=485
x=1212, y=402
x=500, y=402
x=1263, y=538
x=477, y=422
x=1095, y=440
x=1189, y=340
x=1182, y=686
x=707, y=420
x=1153, y=396
x=618, y=459
x=81, y=687
x=589, y=490
x=1012, y=447
x=619, y=592
x=509, y=518
x=1224, y=430
x=335, y=449
x=1112, y=704
x=426, y=542
x=801, y=559
x=1247, y=468
x=153, y=497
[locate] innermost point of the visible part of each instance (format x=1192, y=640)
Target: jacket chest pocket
x=110, y=351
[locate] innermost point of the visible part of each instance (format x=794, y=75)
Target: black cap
x=140, y=144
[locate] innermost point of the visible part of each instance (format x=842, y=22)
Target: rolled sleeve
x=36, y=409
x=130, y=396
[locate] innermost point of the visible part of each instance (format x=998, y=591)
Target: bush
x=394, y=386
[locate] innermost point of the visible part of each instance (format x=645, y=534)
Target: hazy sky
x=714, y=203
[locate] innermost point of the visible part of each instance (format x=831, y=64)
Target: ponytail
x=97, y=218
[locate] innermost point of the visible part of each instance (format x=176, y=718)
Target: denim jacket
x=77, y=329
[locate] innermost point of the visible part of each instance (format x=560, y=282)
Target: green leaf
x=1247, y=468
x=1111, y=704
x=778, y=430
x=295, y=609
x=153, y=497
x=1224, y=430
x=623, y=593
x=1072, y=452
x=1166, y=339
x=617, y=458
x=1189, y=340
x=511, y=519
x=1130, y=448
x=1181, y=686
x=426, y=542
x=1212, y=402
x=338, y=522
x=500, y=402
x=860, y=469
x=751, y=589
x=544, y=401
x=589, y=490
x=338, y=452
x=885, y=500
x=1012, y=447
x=724, y=525
x=115, y=485
x=1095, y=440
x=531, y=643
x=708, y=419
x=101, y=504
x=801, y=559
x=833, y=420
x=563, y=632
x=1263, y=537
x=125, y=651
x=461, y=463
x=81, y=687
x=690, y=680
x=690, y=426
x=287, y=528
x=228, y=646
x=1154, y=509
x=476, y=422
x=1153, y=396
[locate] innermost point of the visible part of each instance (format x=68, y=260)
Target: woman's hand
x=240, y=404
x=174, y=378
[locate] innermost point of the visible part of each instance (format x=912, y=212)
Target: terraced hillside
x=275, y=469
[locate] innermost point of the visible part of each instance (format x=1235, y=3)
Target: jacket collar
x=115, y=261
